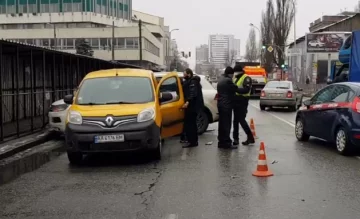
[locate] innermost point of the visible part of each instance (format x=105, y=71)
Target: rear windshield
x=278, y=84
x=113, y=90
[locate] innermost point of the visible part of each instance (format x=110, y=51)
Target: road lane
x=311, y=181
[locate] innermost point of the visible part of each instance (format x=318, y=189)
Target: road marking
x=279, y=118
x=172, y=216
x=184, y=153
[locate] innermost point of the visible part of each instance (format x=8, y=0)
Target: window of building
x=121, y=43
x=45, y=42
x=104, y=43
x=132, y=43
x=95, y=43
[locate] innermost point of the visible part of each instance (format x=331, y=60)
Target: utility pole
x=294, y=5
x=113, y=42
x=55, y=41
x=140, y=43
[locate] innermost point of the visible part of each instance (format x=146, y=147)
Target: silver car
x=281, y=94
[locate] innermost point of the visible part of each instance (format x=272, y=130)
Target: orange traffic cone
x=252, y=128
x=262, y=167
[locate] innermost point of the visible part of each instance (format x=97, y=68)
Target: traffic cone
x=252, y=128
x=262, y=169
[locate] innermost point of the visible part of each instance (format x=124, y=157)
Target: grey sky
x=196, y=19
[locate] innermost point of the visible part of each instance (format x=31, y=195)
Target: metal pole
x=55, y=41
x=294, y=4
x=113, y=42
x=1, y=95
x=140, y=43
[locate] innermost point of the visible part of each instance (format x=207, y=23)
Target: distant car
x=315, y=43
x=210, y=113
x=57, y=115
x=281, y=94
x=332, y=114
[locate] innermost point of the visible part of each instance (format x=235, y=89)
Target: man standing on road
x=241, y=102
x=226, y=90
x=194, y=102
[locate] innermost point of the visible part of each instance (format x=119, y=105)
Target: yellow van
x=123, y=110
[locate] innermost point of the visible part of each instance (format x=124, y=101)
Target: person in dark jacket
x=226, y=90
x=194, y=103
x=241, y=102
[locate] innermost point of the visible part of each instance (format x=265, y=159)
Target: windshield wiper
x=120, y=102
x=282, y=87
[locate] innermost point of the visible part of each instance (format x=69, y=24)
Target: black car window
x=323, y=96
x=339, y=93
x=171, y=85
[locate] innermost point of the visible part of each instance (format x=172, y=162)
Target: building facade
x=58, y=24
x=202, y=53
x=223, y=49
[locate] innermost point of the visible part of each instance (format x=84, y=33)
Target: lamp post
x=261, y=49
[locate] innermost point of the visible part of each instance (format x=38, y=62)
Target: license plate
x=276, y=95
x=109, y=138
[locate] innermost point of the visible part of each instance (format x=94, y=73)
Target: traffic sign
x=270, y=49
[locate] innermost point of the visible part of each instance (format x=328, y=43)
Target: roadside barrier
x=262, y=169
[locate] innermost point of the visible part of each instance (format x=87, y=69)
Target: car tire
x=202, y=122
x=262, y=107
x=300, y=132
x=75, y=158
x=156, y=153
x=342, y=142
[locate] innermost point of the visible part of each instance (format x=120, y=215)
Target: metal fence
x=31, y=78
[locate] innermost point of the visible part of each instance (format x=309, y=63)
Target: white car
x=210, y=113
x=58, y=109
x=315, y=43
x=57, y=115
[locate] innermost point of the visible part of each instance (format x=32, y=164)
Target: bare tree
x=231, y=58
x=252, y=53
x=267, y=18
x=283, y=19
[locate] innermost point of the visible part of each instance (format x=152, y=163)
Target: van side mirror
x=68, y=99
x=307, y=103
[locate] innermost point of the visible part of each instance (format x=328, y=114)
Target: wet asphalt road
x=311, y=181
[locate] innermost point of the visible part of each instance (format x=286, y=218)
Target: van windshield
x=115, y=90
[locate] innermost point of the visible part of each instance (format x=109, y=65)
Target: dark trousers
x=225, y=117
x=191, y=127
x=240, y=111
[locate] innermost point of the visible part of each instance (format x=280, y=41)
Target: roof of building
x=323, y=29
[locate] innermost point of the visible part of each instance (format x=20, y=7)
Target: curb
x=18, y=146
x=29, y=160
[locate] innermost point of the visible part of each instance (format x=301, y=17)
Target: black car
x=332, y=114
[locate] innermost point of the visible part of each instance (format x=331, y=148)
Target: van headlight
x=74, y=117
x=146, y=115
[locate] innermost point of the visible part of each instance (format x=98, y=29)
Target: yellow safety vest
x=240, y=85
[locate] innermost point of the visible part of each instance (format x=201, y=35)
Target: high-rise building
x=59, y=24
x=236, y=48
x=202, y=53
x=223, y=49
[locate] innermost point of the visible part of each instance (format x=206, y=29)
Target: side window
x=324, y=96
x=340, y=94
x=170, y=85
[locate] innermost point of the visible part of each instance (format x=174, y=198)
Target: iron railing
x=31, y=78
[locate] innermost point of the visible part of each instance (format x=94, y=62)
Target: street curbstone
x=29, y=160
x=16, y=146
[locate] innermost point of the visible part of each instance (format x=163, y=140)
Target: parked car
x=281, y=94
x=332, y=114
x=120, y=110
x=57, y=115
x=210, y=113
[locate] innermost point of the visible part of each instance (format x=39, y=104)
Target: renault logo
x=109, y=120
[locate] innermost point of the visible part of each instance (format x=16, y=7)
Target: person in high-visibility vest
x=241, y=102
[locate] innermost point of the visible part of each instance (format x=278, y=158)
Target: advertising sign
x=326, y=42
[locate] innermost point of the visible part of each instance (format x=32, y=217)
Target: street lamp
x=261, y=49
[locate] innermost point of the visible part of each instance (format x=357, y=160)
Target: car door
x=297, y=93
x=313, y=123
x=330, y=111
x=171, y=111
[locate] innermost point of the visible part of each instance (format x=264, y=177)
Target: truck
x=349, y=58
x=257, y=74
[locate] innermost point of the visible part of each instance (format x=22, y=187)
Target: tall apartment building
x=202, y=53
x=59, y=23
x=222, y=48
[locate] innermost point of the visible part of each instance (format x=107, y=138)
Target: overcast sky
x=196, y=19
